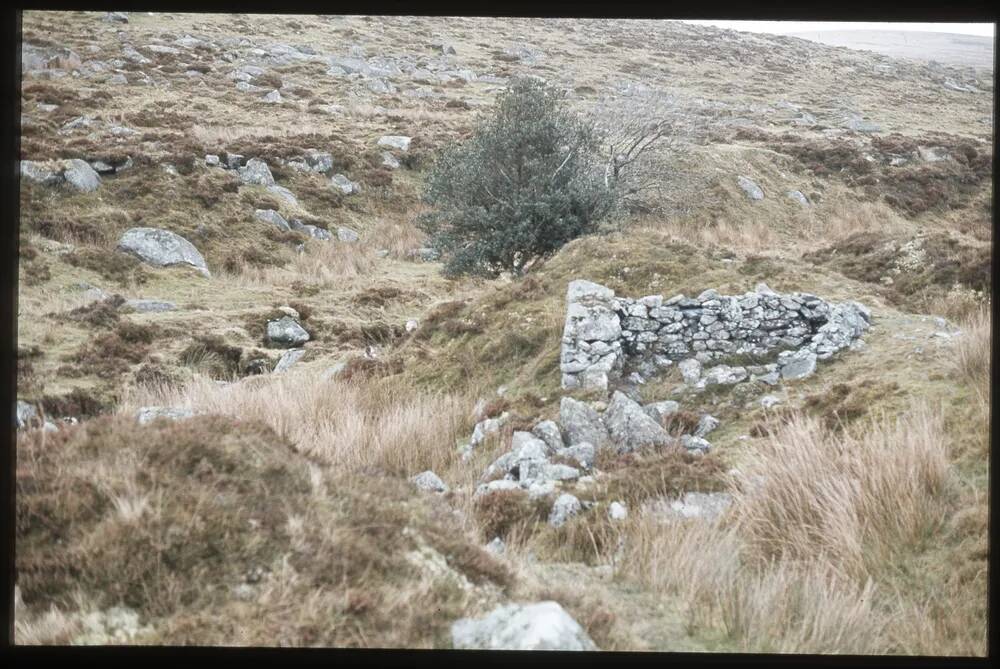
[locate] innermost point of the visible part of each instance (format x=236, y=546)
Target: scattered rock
x=274, y=97
x=496, y=547
x=752, y=190
x=345, y=185
x=289, y=358
x=631, y=427
x=395, y=142
x=799, y=197
x=563, y=509
x=311, y=230
x=24, y=414
x=256, y=172
x=617, y=511
x=272, y=217
x=148, y=414
x=693, y=443
x=583, y=453
x=701, y=505
x=424, y=254
x=286, y=332
x=548, y=431
x=797, y=365
x=486, y=427
x=284, y=194
x=857, y=123
x=429, y=481
x=347, y=235
x=162, y=248
x=706, y=425
x=690, y=370
x=389, y=160
x=150, y=306
x=541, y=626
x=75, y=172
x=44, y=173
x=658, y=411
x=580, y=423
x=768, y=401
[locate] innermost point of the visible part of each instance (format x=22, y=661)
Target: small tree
x=528, y=181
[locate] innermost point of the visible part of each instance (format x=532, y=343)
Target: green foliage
x=526, y=183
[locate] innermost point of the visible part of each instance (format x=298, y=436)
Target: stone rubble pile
x=553, y=454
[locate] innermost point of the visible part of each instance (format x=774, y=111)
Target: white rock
x=429, y=481
x=541, y=626
x=162, y=248
x=148, y=414
x=565, y=506
x=395, y=142
x=496, y=547
x=617, y=511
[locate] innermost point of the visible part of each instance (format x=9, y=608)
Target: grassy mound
x=185, y=522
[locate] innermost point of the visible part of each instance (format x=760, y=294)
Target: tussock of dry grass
x=799, y=561
x=853, y=500
x=973, y=356
x=215, y=531
x=350, y=425
x=321, y=264
x=752, y=235
x=847, y=217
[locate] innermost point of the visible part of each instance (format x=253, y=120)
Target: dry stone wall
x=608, y=340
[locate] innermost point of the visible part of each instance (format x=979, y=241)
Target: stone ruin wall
x=610, y=341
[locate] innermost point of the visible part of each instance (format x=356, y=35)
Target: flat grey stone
x=162, y=248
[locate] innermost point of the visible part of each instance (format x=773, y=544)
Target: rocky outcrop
x=162, y=248
x=608, y=339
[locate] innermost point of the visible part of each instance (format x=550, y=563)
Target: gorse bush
x=528, y=181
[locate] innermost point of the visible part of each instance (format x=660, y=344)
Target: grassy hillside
x=869, y=533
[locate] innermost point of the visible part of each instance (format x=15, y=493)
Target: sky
x=783, y=27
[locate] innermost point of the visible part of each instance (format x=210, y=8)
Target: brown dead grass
x=349, y=424
x=169, y=519
x=806, y=560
